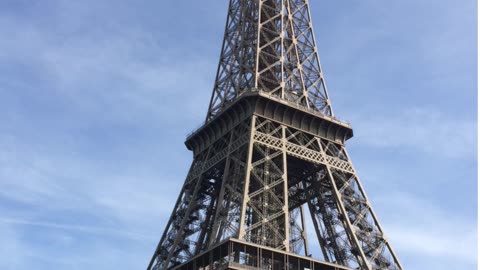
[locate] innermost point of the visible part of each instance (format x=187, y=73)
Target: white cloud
x=55, y=174
x=60, y=181
x=11, y=248
x=441, y=243
x=101, y=73
x=423, y=129
x=109, y=77
x=417, y=227
x=56, y=196
x=100, y=231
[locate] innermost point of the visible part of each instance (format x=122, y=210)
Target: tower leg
x=304, y=231
x=264, y=218
x=298, y=232
x=189, y=229
x=227, y=216
x=174, y=223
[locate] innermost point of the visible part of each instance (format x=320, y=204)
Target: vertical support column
x=349, y=228
x=282, y=53
x=320, y=238
x=226, y=171
x=156, y=254
x=285, y=189
x=205, y=229
x=187, y=213
x=259, y=29
x=248, y=169
x=372, y=213
x=304, y=231
x=297, y=55
x=315, y=48
x=214, y=92
x=320, y=234
x=170, y=220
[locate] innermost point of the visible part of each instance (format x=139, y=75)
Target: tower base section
x=236, y=254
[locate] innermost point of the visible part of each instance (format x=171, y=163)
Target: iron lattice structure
x=270, y=154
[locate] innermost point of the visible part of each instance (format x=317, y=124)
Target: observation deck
x=261, y=103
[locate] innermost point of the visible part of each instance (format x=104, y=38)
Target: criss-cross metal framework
x=270, y=45
x=270, y=157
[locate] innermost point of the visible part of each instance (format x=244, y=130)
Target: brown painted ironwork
x=271, y=155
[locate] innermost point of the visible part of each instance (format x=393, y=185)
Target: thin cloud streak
x=415, y=226
x=138, y=236
x=97, y=100
x=428, y=130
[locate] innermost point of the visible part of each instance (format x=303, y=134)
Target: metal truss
x=201, y=215
x=252, y=184
x=269, y=45
x=298, y=232
x=271, y=156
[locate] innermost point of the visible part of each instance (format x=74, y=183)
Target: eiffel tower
x=269, y=162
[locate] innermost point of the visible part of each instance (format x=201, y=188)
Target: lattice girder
x=269, y=151
x=269, y=45
x=251, y=183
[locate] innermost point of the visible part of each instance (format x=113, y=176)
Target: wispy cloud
x=100, y=231
x=100, y=204
x=102, y=72
x=10, y=248
x=421, y=129
x=59, y=181
x=416, y=226
x=97, y=96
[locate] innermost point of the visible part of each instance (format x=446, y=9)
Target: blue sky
x=98, y=95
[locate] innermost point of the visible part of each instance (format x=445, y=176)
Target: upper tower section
x=269, y=47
